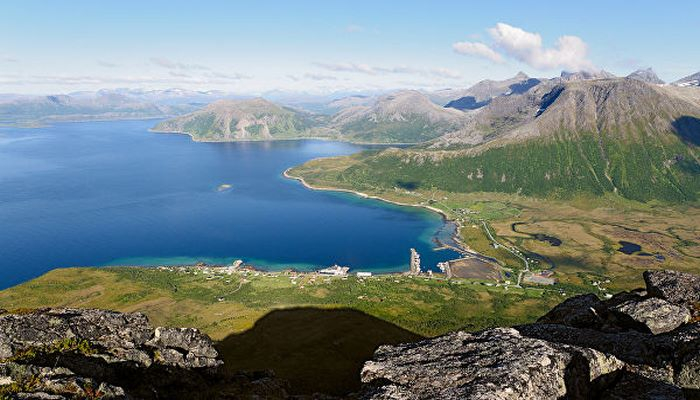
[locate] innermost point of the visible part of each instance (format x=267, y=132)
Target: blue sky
x=320, y=46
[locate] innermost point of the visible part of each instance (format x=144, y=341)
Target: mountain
x=99, y=105
x=403, y=117
x=646, y=75
x=351, y=101
x=558, y=139
x=481, y=93
x=251, y=119
x=585, y=75
x=690, y=80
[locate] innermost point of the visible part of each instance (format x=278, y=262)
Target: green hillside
x=559, y=167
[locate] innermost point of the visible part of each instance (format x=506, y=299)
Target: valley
x=589, y=228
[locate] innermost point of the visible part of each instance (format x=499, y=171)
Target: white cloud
x=169, y=64
x=174, y=78
x=320, y=77
x=379, y=70
x=477, y=49
x=347, y=67
x=568, y=52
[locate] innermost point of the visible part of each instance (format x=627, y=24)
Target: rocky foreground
x=643, y=344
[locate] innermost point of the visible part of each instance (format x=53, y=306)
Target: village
x=466, y=270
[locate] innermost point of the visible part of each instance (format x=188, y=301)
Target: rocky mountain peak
x=521, y=76
x=646, y=75
x=567, y=76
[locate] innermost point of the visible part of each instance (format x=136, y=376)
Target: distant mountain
x=690, y=80
x=83, y=106
x=646, y=75
x=251, y=119
x=585, y=75
x=481, y=93
x=559, y=139
x=351, y=101
x=403, y=117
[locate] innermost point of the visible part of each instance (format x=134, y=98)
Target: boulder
x=108, y=335
x=680, y=288
x=653, y=315
x=492, y=364
x=579, y=311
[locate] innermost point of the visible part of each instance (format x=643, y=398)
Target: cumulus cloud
x=568, y=52
x=477, y=49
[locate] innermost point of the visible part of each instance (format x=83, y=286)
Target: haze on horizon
x=306, y=46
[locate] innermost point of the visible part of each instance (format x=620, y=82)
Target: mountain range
x=559, y=138
x=103, y=104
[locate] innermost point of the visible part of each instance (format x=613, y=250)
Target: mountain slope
x=403, y=117
x=230, y=120
x=592, y=136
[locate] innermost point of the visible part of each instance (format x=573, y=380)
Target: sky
x=253, y=47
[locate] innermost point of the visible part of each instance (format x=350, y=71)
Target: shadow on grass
x=315, y=350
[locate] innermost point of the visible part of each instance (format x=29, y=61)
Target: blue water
x=112, y=193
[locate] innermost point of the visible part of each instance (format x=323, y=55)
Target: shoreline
x=282, y=139
x=462, y=247
x=286, y=174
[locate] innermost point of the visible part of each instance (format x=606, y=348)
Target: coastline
x=364, y=195
x=461, y=247
x=282, y=139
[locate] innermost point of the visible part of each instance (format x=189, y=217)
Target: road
x=517, y=254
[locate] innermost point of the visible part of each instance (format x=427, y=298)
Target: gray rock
x=679, y=288
x=187, y=339
x=74, y=350
x=578, y=311
x=651, y=315
x=492, y=364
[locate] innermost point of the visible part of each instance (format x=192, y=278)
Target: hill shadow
x=688, y=129
x=315, y=350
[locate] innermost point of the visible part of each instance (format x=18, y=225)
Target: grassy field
x=589, y=227
x=221, y=304
x=300, y=326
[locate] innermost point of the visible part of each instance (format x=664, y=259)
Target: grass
x=590, y=226
x=426, y=307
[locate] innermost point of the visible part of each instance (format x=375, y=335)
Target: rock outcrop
x=643, y=344
x=636, y=345
x=88, y=353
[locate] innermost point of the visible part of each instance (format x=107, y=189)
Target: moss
x=68, y=345
x=22, y=385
